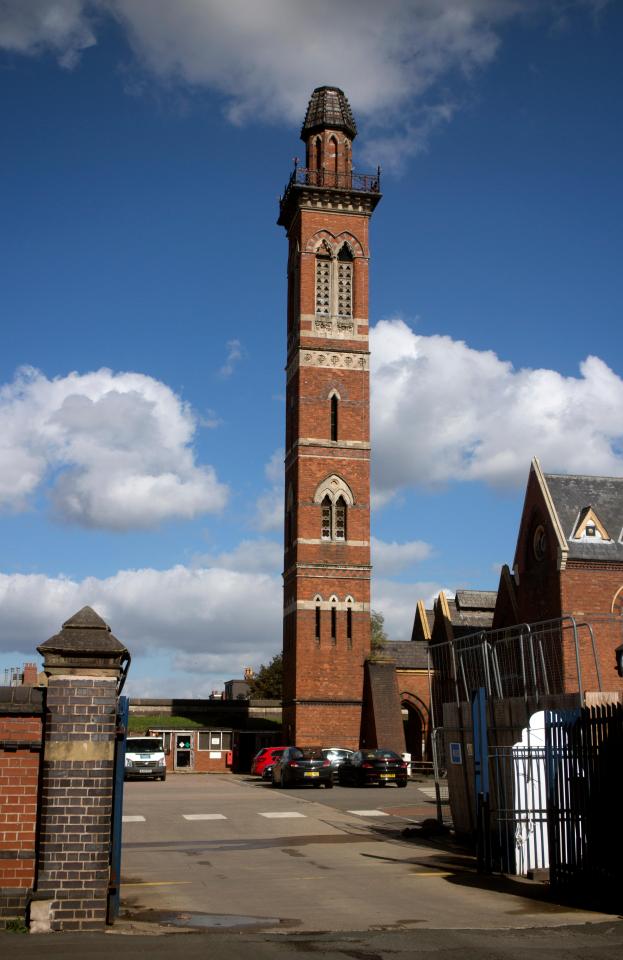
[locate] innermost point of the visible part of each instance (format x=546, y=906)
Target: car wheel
x=402, y=784
x=283, y=782
x=274, y=783
x=328, y=785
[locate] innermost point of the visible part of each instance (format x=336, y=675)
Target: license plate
x=144, y=770
x=387, y=776
x=311, y=773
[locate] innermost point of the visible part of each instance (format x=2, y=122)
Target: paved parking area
x=231, y=852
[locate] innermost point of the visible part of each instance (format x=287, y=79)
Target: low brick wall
x=21, y=711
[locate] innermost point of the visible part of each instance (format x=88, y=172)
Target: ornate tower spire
x=325, y=210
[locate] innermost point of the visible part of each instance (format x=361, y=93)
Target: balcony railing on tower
x=330, y=179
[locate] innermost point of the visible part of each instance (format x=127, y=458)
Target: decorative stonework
x=340, y=605
x=329, y=359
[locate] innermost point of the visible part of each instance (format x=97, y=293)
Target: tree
x=267, y=684
x=378, y=637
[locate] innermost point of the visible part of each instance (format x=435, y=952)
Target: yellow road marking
x=434, y=873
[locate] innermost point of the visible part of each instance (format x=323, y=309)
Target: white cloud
x=443, y=412
x=396, y=59
x=390, y=558
x=234, y=353
x=200, y=627
x=33, y=26
x=250, y=556
x=269, y=505
x=397, y=602
x=115, y=447
x=207, y=620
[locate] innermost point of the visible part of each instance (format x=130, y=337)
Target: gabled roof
x=572, y=495
x=476, y=599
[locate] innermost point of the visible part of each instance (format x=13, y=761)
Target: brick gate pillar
x=84, y=664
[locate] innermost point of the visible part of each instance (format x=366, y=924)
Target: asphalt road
x=230, y=868
x=227, y=852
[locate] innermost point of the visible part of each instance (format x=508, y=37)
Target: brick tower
x=325, y=210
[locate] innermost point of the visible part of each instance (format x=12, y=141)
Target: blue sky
x=143, y=292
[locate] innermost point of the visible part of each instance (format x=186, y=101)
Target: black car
x=299, y=767
x=336, y=757
x=373, y=766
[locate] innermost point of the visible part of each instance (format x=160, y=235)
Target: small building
x=237, y=690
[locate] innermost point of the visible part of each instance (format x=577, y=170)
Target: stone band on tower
x=325, y=209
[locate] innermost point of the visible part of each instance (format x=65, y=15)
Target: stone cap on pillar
x=85, y=644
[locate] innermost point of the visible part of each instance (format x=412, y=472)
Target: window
x=340, y=519
x=318, y=624
x=345, y=282
x=333, y=153
x=323, y=285
x=327, y=509
x=333, y=624
x=349, y=626
x=334, y=416
x=214, y=740
x=333, y=495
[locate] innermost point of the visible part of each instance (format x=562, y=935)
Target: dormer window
x=590, y=527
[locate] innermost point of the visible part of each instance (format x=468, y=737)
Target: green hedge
x=141, y=723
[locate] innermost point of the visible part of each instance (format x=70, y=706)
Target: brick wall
x=77, y=782
x=382, y=719
x=20, y=745
x=414, y=694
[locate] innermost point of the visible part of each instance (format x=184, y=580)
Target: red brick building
x=325, y=210
x=569, y=563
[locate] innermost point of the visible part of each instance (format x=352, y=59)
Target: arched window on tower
x=334, y=416
x=340, y=519
x=332, y=165
x=317, y=624
x=323, y=283
x=349, y=623
x=345, y=282
x=334, y=620
x=316, y=160
x=333, y=496
x=327, y=510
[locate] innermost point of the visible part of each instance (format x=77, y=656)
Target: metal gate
x=114, y=883
x=584, y=751
x=555, y=804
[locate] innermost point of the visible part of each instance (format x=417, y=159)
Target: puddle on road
x=203, y=921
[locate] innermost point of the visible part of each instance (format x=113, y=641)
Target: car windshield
x=144, y=745
x=380, y=755
x=307, y=753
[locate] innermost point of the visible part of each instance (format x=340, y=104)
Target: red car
x=263, y=761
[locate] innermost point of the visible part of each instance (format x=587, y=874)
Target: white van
x=144, y=758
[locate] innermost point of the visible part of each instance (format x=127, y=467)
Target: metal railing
x=529, y=661
x=330, y=179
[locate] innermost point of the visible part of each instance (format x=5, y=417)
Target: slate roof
x=85, y=632
x=408, y=654
x=25, y=700
x=328, y=108
x=472, y=610
x=571, y=495
x=476, y=599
